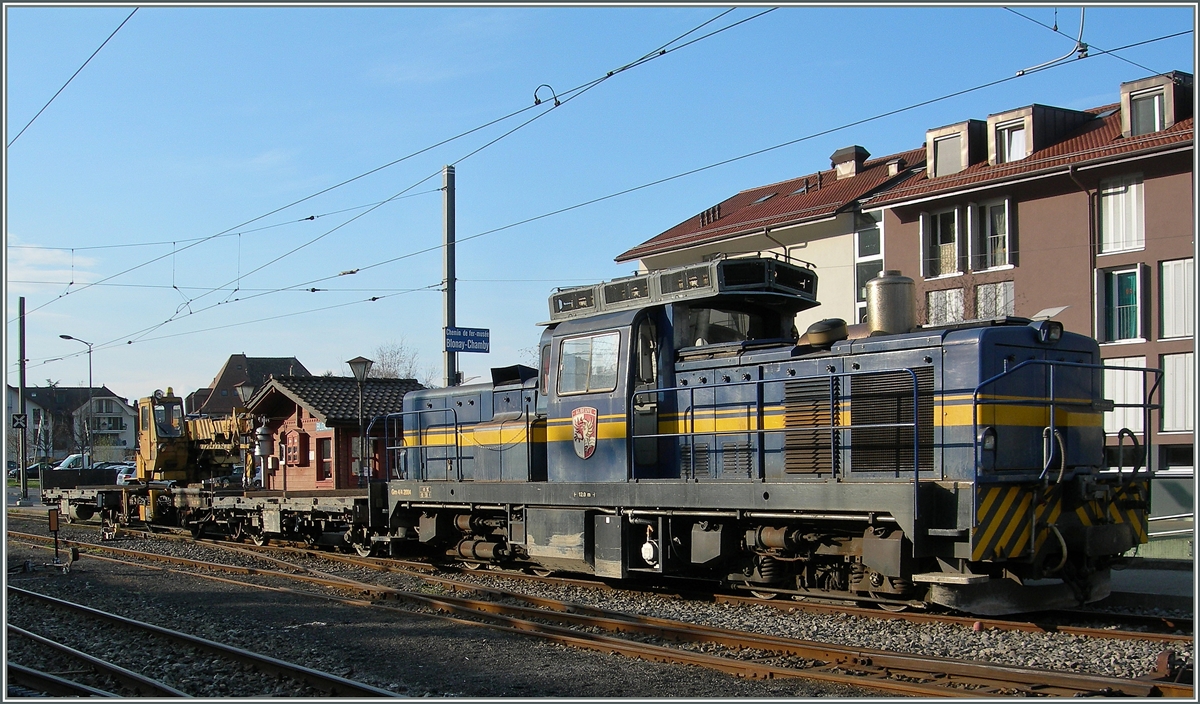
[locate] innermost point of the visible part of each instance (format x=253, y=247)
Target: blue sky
x=194, y=120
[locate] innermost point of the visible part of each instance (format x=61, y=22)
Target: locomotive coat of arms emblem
x=583, y=431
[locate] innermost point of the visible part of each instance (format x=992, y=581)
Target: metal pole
x=362, y=441
x=451, y=358
x=91, y=414
x=21, y=403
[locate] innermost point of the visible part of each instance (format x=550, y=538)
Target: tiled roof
x=812, y=197
x=222, y=397
x=65, y=399
x=1096, y=140
x=334, y=399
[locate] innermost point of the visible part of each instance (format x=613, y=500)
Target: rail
x=835, y=398
x=400, y=469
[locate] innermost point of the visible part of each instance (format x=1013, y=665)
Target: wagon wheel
x=259, y=538
x=473, y=566
x=363, y=550
x=886, y=606
x=236, y=532
x=541, y=571
x=765, y=595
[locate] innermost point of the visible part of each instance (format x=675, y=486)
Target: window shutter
x=974, y=230
x=960, y=245
x=926, y=239
x=1177, y=282
x=1144, y=295
x=1008, y=232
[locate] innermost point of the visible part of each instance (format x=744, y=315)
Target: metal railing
x=1054, y=404
x=835, y=398
x=393, y=451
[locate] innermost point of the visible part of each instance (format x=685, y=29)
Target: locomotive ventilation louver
x=690, y=282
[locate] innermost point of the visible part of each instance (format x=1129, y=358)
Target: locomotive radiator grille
x=808, y=411
x=887, y=398
x=735, y=459
x=696, y=457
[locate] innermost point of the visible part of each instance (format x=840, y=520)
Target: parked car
x=33, y=471
x=126, y=474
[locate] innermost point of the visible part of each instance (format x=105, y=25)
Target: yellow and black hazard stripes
x=1008, y=516
x=1128, y=505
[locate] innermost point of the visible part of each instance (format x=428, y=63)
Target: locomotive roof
x=781, y=284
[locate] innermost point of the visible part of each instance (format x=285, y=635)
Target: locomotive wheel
x=540, y=571
x=765, y=595
x=473, y=566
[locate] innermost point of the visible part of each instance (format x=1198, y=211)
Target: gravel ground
x=1049, y=651
x=409, y=654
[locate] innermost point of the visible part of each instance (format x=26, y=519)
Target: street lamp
x=361, y=366
x=245, y=392
x=91, y=412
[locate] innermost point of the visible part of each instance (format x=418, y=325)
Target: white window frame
x=1158, y=95
x=1124, y=387
x=1102, y=304
x=979, y=225
x=860, y=307
x=928, y=233
x=1176, y=297
x=1004, y=154
x=1009, y=289
x=1122, y=200
x=1178, y=392
x=946, y=305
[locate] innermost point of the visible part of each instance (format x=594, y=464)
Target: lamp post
x=361, y=366
x=245, y=391
x=91, y=411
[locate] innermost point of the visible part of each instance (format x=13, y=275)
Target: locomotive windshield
x=716, y=325
x=168, y=416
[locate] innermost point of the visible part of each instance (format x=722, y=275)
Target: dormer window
x=1146, y=112
x=1010, y=141
x=947, y=155
x=951, y=149
x=1156, y=103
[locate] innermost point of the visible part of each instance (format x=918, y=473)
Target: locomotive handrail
x=688, y=416
x=421, y=446
x=1053, y=403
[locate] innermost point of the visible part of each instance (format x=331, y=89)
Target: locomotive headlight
x=987, y=438
x=1048, y=331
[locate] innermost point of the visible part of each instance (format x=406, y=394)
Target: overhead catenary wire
x=239, y=233
x=568, y=96
x=661, y=51
x=73, y=75
x=1056, y=30
x=695, y=170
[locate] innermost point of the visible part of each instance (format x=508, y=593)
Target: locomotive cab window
x=588, y=364
x=714, y=326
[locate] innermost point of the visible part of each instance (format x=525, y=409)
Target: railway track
x=1109, y=625
x=735, y=652
x=319, y=682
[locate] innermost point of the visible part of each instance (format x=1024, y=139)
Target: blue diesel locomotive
x=679, y=427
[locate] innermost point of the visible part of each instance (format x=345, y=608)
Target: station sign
x=468, y=339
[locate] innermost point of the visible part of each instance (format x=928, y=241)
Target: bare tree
x=399, y=360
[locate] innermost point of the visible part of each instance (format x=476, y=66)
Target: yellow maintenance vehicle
x=179, y=452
